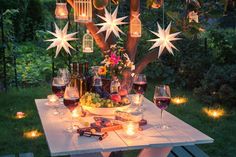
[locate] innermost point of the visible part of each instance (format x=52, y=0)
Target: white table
x=154, y=142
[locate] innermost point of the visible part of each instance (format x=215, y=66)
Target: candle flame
x=215, y=113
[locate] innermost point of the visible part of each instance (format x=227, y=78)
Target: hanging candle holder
x=61, y=11
x=135, y=27
x=157, y=4
x=83, y=11
x=87, y=43
x=100, y=4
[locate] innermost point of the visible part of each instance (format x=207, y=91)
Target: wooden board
x=63, y=143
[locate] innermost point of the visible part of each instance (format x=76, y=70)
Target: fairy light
x=179, y=100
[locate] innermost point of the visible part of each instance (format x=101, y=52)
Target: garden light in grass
x=20, y=115
x=179, y=100
x=214, y=113
x=61, y=11
x=32, y=134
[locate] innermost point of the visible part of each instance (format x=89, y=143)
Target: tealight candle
x=20, y=115
x=75, y=113
x=130, y=128
x=137, y=99
x=52, y=99
x=32, y=134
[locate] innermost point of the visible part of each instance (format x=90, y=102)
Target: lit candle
x=20, y=115
x=130, y=128
x=75, y=113
x=179, y=100
x=215, y=113
x=53, y=99
x=137, y=99
x=32, y=134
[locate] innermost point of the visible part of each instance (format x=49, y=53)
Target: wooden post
x=3, y=53
x=53, y=68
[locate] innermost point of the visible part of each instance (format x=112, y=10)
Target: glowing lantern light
x=179, y=100
x=135, y=27
x=130, y=129
x=215, y=113
x=20, y=115
x=83, y=11
x=87, y=43
x=32, y=134
x=100, y=4
x=61, y=11
x=157, y=4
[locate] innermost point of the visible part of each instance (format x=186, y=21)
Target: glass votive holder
x=137, y=100
x=130, y=129
x=52, y=100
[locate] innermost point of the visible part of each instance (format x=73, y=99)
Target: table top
x=62, y=143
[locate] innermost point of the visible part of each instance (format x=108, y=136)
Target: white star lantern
x=61, y=40
x=111, y=23
x=164, y=40
x=193, y=16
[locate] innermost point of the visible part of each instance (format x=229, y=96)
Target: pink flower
x=114, y=60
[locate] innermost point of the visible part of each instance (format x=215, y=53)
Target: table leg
x=155, y=152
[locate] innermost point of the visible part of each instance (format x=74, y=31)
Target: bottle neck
x=80, y=69
x=86, y=68
x=75, y=68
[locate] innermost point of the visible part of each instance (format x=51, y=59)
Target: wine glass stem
x=162, y=123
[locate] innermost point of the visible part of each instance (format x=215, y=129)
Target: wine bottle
x=87, y=76
x=82, y=81
x=74, y=77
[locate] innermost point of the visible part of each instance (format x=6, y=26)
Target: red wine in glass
x=71, y=103
x=140, y=87
x=162, y=102
x=58, y=89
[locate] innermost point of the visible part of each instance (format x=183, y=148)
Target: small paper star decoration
x=164, y=40
x=61, y=40
x=193, y=16
x=111, y=23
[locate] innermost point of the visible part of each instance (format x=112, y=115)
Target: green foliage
x=33, y=65
x=218, y=85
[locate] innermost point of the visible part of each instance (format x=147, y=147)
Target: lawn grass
x=12, y=141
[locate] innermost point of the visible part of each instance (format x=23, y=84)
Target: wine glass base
x=163, y=127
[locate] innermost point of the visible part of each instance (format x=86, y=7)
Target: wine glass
x=58, y=86
x=64, y=74
x=140, y=84
x=71, y=101
x=162, y=99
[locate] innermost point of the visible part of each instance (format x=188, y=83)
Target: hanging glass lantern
x=83, y=11
x=157, y=4
x=100, y=4
x=61, y=11
x=87, y=43
x=135, y=27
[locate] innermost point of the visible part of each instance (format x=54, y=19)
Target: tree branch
x=93, y=29
x=132, y=43
x=150, y=57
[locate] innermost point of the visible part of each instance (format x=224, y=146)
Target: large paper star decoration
x=61, y=39
x=164, y=40
x=193, y=16
x=111, y=23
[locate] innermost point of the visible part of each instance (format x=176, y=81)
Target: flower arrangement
x=116, y=60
